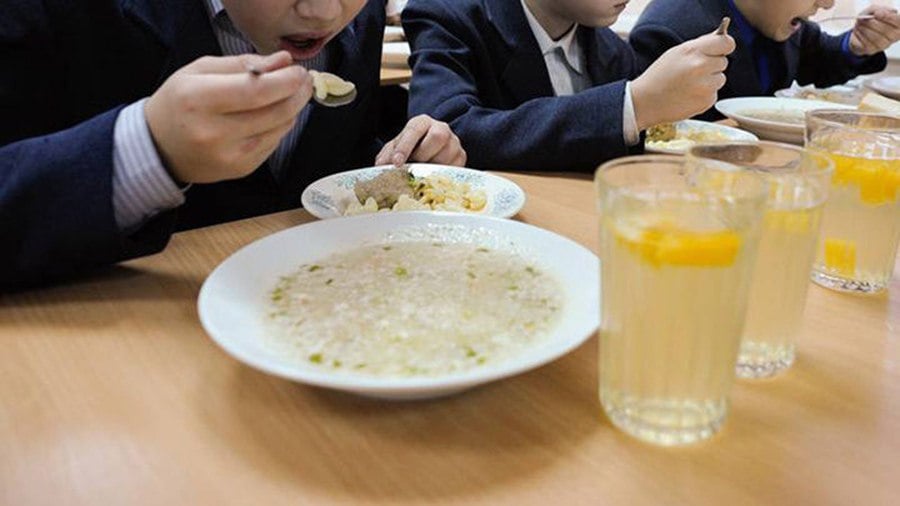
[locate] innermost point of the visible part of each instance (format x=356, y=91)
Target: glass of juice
x=861, y=221
x=798, y=187
x=678, y=242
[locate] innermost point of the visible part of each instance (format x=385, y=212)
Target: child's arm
x=213, y=120
x=57, y=198
x=683, y=82
x=871, y=36
x=827, y=60
x=552, y=133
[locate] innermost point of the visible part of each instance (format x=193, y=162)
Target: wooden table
x=111, y=393
x=395, y=75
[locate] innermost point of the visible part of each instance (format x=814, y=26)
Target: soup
x=416, y=308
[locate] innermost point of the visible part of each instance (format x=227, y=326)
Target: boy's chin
x=603, y=21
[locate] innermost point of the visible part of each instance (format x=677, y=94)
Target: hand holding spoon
x=328, y=89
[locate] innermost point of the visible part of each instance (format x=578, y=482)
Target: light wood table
x=395, y=75
x=111, y=393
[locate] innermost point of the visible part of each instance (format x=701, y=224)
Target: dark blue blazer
x=809, y=56
x=477, y=66
x=69, y=67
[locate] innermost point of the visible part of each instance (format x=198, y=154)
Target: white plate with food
x=413, y=187
x=888, y=86
x=773, y=118
x=403, y=305
x=841, y=94
x=676, y=138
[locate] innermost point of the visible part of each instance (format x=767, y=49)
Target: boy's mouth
x=303, y=46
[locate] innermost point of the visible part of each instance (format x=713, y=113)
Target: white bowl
x=329, y=196
x=234, y=298
x=693, y=125
x=741, y=109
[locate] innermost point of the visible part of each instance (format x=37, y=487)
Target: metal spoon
x=843, y=18
x=328, y=101
x=336, y=100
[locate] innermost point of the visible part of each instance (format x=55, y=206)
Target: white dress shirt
x=565, y=63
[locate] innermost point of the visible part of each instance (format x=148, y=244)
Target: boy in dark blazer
x=544, y=85
x=776, y=42
x=123, y=121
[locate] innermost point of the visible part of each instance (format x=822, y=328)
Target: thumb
x=715, y=45
x=722, y=29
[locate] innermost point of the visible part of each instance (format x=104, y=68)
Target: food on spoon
x=325, y=83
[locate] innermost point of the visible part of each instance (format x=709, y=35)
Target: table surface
x=111, y=393
x=395, y=75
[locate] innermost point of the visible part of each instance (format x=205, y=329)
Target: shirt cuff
x=629, y=123
x=848, y=54
x=142, y=187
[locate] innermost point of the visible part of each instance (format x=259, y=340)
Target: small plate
x=887, y=86
x=329, y=196
x=680, y=145
x=233, y=302
x=788, y=128
x=841, y=94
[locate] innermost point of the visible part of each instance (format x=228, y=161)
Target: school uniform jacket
x=809, y=56
x=70, y=66
x=476, y=65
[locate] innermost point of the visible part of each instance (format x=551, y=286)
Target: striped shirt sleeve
x=142, y=187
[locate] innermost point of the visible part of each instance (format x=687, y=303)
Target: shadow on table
x=357, y=448
x=99, y=298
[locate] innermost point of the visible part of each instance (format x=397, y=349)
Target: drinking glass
x=678, y=242
x=798, y=187
x=861, y=221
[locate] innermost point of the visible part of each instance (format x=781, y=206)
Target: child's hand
x=683, y=82
x=423, y=139
x=870, y=36
x=213, y=120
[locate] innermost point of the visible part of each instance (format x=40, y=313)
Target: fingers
x=384, y=156
x=719, y=64
x=884, y=14
x=438, y=137
x=260, y=146
x=225, y=84
x=424, y=139
x=879, y=33
x=243, y=91
x=406, y=141
x=871, y=39
x=240, y=63
x=246, y=123
x=452, y=153
x=713, y=45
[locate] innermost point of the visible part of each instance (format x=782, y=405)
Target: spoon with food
x=328, y=89
x=331, y=90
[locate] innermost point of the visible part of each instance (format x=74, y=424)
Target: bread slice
x=873, y=102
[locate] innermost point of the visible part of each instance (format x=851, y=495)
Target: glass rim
x=819, y=116
x=825, y=168
x=628, y=189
